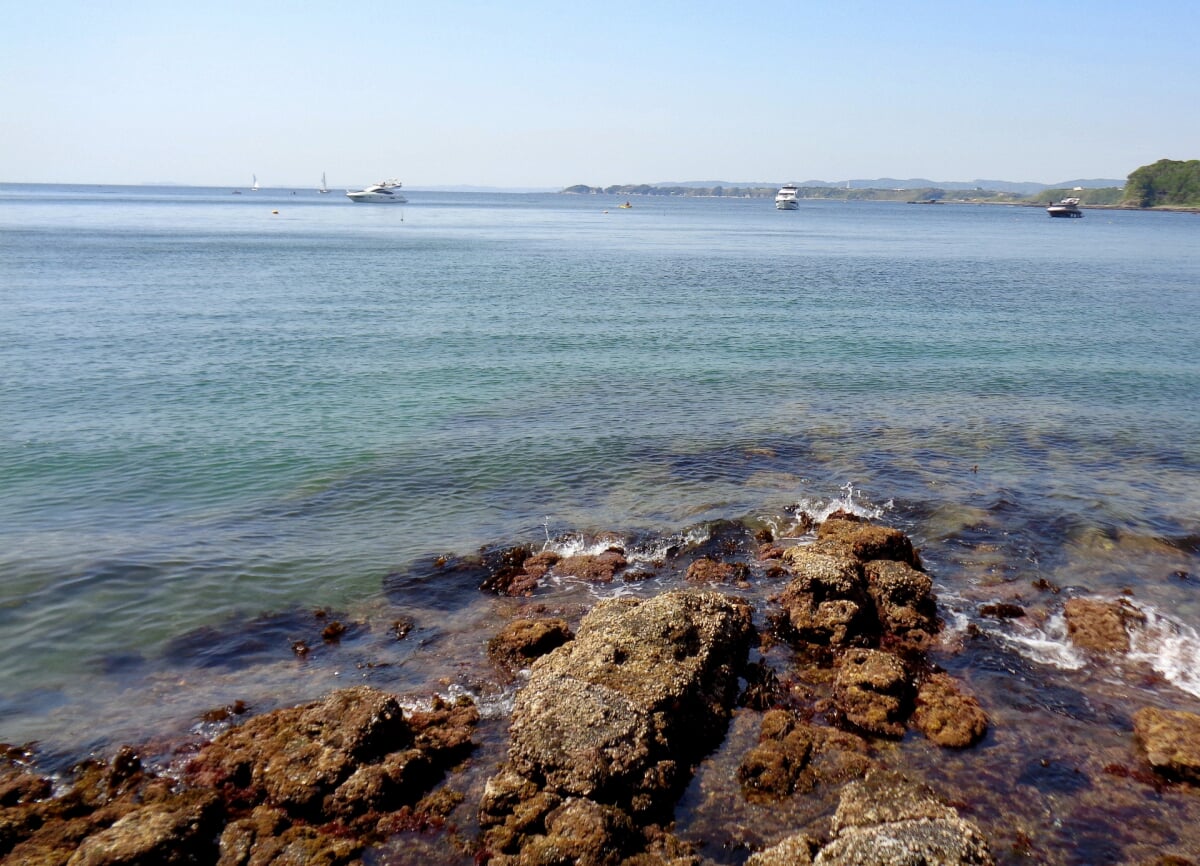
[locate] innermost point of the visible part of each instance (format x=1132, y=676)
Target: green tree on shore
x=1166, y=183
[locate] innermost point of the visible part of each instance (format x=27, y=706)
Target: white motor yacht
x=1068, y=207
x=786, y=199
x=384, y=191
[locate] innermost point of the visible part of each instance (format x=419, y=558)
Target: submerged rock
x=947, y=716
x=793, y=757
x=1100, y=626
x=523, y=640
x=1171, y=740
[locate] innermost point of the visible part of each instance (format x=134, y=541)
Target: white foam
x=490, y=706
x=1170, y=647
x=850, y=502
x=1046, y=644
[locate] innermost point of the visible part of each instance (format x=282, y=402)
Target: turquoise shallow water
x=215, y=413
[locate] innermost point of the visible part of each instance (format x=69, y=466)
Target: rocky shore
x=613, y=719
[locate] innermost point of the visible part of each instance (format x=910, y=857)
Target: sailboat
x=254, y=186
x=324, y=186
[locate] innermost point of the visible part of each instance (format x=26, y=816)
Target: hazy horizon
x=470, y=187
x=537, y=95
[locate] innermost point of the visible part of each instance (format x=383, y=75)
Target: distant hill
x=1020, y=187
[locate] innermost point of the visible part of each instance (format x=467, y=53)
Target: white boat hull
x=788, y=204
x=394, y=198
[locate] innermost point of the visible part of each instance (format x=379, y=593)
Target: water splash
x=1170, y=647
x=851, y=501
x=1046, y=644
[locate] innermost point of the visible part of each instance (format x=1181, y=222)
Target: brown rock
x=522, y=580
x=19, y=785
x=347, y=755
x=537, y=565
x=866, y=541
x=182, y=831
x=444, y=731
x=505, y=571
x=768, y=551
x=946, y=716
x=598, y=568
x=826, y=603
x=707, y=570
x=793, y=756
x=873, y=692
x=582, y=832
x=523, y=640
x=902, y=595
x=1100, y=626
x=304, y=846
x=239, y=837
x=1171, y=740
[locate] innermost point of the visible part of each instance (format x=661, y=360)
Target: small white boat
x=254, y=185
x=387, y=191
x=1068, y=207
x=786, y=198
x=324, y=187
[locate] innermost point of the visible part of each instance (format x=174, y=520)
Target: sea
x=243, y=432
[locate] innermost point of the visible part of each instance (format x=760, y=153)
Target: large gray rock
x=617, y=717
x=887, y=820
x=645, y=683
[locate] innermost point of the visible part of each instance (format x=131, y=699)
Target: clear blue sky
x=547, y=94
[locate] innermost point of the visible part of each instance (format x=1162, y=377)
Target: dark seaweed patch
x=1025, y=685
x=1053, y=777
x=441, y=582
x=269, y=637
x=726, y=539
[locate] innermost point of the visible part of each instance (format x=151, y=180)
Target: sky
x=548, y=94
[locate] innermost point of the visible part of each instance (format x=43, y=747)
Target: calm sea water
x=223, y=412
